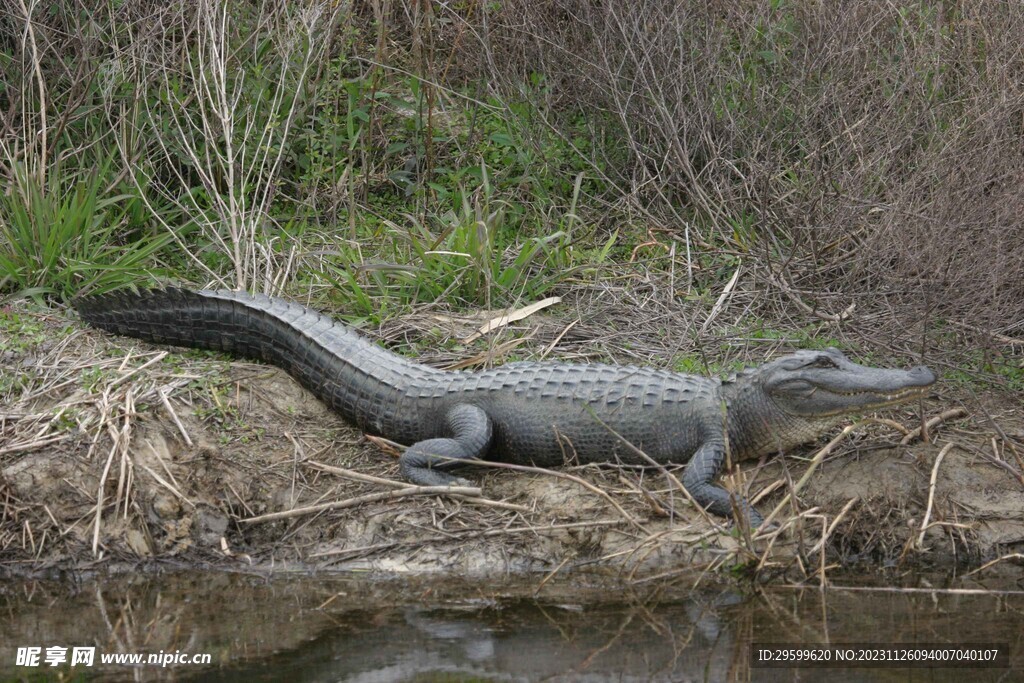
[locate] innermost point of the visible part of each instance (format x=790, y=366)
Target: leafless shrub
x=229, y=94
x=52, y=58
x=872, y=147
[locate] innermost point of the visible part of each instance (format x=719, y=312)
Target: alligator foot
x=753, y=517
x=424, y=462
x=699, y=482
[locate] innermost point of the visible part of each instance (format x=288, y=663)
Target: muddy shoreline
x=182, y=448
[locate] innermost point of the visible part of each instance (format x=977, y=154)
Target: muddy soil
x=183, y=453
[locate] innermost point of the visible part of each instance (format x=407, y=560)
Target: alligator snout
x=922, y=376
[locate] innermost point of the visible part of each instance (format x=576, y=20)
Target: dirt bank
x=183, y=452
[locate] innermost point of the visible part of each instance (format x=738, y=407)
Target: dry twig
x=931, y=491
x=368, y=478
x=369, y=498
x=950, y=414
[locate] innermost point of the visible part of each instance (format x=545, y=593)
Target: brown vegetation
x=868, y=152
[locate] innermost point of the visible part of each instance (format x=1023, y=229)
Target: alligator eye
x=824, y=362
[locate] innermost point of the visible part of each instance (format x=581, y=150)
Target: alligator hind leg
x=471, y=434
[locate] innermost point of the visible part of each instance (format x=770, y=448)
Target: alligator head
x=797, y=398
x=821, y=384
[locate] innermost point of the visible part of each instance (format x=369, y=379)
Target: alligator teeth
x=913, y=391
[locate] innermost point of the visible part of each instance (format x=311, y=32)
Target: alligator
x=540, y=413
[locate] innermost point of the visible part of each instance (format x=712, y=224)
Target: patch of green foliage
x=226, y=416
x=71, y=233
x=1006, y=371
x=19, y=333
x=694, y=365
x=95, y=378
x=457, y=202
x=12, y=384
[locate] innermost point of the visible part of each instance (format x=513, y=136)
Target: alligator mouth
x=870, y=399
x=901, y=396
x=885, y=397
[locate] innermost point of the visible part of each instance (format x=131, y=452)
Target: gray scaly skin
x=539, y=413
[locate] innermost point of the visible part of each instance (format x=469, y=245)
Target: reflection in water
x=362, y=630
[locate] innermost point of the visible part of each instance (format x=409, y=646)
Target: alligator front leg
x=699, y=479
x=471, y=434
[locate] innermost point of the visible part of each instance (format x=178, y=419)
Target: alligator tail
x=254, y=326
x=351, y=374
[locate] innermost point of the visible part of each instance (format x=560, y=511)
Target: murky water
x=356, y=628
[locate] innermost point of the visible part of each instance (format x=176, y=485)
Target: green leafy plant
x=476, y=256
x=69, y=234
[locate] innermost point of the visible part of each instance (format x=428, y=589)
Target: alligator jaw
x=864, y=401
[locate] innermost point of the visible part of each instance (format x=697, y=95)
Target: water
x=363, y=629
